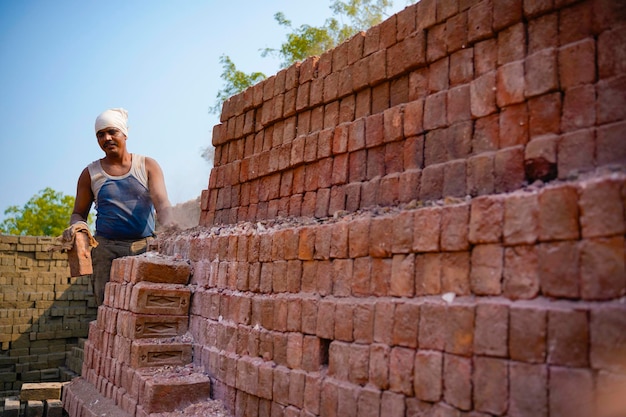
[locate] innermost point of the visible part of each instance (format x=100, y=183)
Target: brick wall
x=426, y=220
x=43, y=312
x=446, y=98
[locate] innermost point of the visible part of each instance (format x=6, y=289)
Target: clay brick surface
x=159, y=299
x=490, y=379
x=159, y=269
x=150, y=353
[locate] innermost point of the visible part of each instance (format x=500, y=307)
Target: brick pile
x=446, y=98
x=464, y=164
x=138, y=353
x=43, y=312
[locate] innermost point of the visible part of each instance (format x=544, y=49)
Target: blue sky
x=65, y=61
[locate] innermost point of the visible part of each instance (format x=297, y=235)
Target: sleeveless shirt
x=124, y=209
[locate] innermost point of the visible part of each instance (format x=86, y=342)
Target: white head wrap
x=117, y=118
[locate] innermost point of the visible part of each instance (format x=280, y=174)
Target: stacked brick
x=426, y=220
x=43, y=312
x=446, y=98
x=355, y=316
x=138, y=350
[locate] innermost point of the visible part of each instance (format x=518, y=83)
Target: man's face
x=110, y=139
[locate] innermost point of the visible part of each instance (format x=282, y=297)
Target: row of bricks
x=90, y=401
x=488, y=173
x=466, y=120
x=592, y=269
x=143, y=298
x=568, y=211
x=291, y=332
x=447, y=100
x=422, y=382
x=380, y=47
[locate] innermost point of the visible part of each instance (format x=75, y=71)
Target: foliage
x=305, y=40
x=47, y=213
x=235, y=82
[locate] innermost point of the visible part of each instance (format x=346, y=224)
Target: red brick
x=436, y=43
x=361, y=276
x=428, y=274
x=358, y=237
x=454, y=227
x=340, y=169
x=413, y=118
x=306, y=246
x=521, y=219
x=514, y=125
x=374, y=130
x=610, y=148
x=383, y=321
x=379, y=366
x=409, y=186
x=435, y=114
x=483, y=95
x=480, y=174
x=511, y=43
x=160, y=269
x=376, y=67
x=312, y=389
x=455, y=178
x=486, y=269
x=558, y=213
x=406, y=324
x=528, y=389
x=455, y=272
x=559, y=274
x=426, y=229
x=490, y=382
x=579, y=108
x=381, y=97
x=541, y=73
x=160, y=395
x=543, y=32
x=485, y=57
x=311, y=353
x=571, y=392
x=575, y=153
x=139, y=326
x=544, y=114
x=381, y=236
x=457, y=375
x=401, y=370
x=428, y=373
x=611, y=100
x=358, y=364
x=520, y=276
x=577, y=63
x=432, y=330
x=492, y=328
x=607, y=326
x=147, y=353
x=438, y=76
x=611, y=60
x=601, y=208
x=486, y=218
x=506, y=13
x=459, y=330
x=527, y=334
x=602, y=268
x=568, y=335
x=432, y=183
x=381, y=276
x=326, y=319
x=509, y=169
x=170, y=299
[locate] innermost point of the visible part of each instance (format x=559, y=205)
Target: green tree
x=305, y=41
x=47, y=213
x=301, y=43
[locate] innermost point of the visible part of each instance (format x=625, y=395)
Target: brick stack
x=446, y=98
x=43, y=312
x=138, y=351
x=426, y=220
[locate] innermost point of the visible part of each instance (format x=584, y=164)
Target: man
x=126, y=189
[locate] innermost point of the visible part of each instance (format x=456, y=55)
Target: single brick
x=492, y=328
x=602, y=268
x=428, y=373
x=558, y=213
x=140, y=326
x=601, y=208
x=527, y=334
x=521, y=219
x=428, y=270
x=571, y=392
x=158, y=268
x=528, y=389
x=487, y=263
x=426, y=229
x=486, y=218
x=607, y=344
x=159, y=299
x=457, y=381
x=491, y=388
x=165, y=392
x=568, y=336
x=521, y=272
